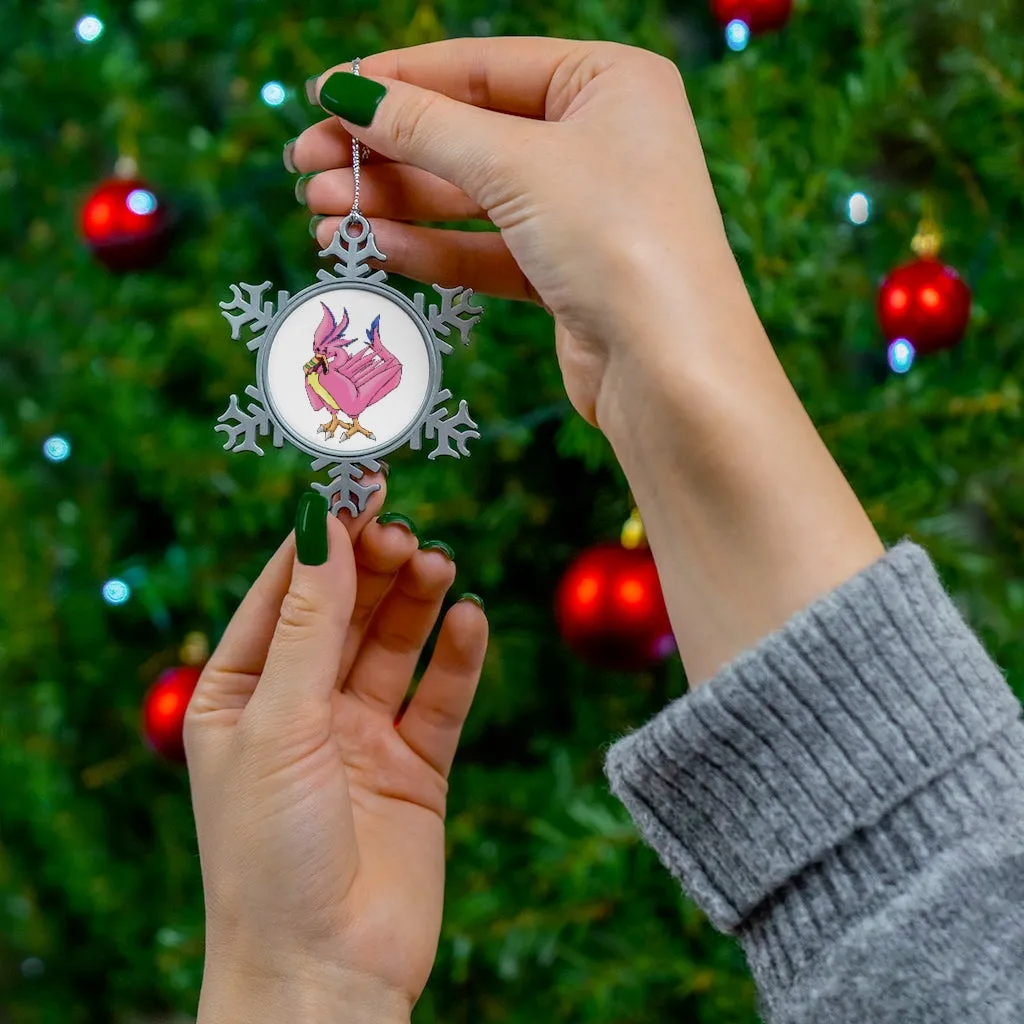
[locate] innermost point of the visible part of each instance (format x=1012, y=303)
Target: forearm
x=748, y=515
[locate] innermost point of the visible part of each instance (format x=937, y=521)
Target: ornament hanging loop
x=354, y=228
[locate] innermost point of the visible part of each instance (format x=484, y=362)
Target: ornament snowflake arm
x=405, y=348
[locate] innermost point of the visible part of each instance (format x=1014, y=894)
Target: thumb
x=302, y=661
x=476, y=150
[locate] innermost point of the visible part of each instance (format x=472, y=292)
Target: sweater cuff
x=866, y=697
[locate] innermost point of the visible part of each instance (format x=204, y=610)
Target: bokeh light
x=56, y=448
x=737, y=35
x=141, y=201
x=273, y=94
x=89, y=28
x=116, y=591
x=901, y=355
x=858, y=208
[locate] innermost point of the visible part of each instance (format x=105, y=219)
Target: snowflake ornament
x=349, y=370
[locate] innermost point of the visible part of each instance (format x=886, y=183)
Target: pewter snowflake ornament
x=349, y=370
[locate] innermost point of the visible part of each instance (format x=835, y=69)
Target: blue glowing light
x=89, y=28
x=116, y=591
x=737, y=35
x=56, y=448
x=273, y=94
x=142, y=201
x=858, y=208
x=901, y=355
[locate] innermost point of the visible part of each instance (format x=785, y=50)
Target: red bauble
x=125, y=224
x=164, y=709
x=757, y=15
x=927, y=303
x=611, y=611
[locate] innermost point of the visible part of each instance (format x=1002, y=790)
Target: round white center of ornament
x=348, y=372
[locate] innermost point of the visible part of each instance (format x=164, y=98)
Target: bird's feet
x=328, y=429
x=355, y=427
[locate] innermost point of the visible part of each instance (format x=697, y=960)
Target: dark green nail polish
x=311, y=529
x=288, y=156
x=352, y=97
x=384, y=468
x=396, y=517
x=310, y=89
x=300, y=186
x=474, y=599
x=314, y=223
x=438, y=545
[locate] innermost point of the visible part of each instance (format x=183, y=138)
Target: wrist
x=313, y=994
x=749, y=517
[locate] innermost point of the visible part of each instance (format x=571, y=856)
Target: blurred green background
x=554, y=910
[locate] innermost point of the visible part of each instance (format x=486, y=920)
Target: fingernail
x=352, y=97
x=438, y=545
x=300, y=186
x=288, y=156
x=311, y=89
x=473, y=599
x=384, y=468
x=314, y=223
x=311, y=529
x=396, y=517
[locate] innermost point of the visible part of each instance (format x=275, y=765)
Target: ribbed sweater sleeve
x=847, y=799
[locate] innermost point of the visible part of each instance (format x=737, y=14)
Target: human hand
x=586, y=157
x=320, y=820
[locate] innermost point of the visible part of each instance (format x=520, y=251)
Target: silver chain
x=356, y=157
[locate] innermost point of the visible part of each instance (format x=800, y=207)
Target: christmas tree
x=126, y=526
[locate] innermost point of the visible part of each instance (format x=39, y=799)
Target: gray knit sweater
x=848, y=800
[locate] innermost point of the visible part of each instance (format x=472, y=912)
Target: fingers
x=433, y=722
x=323, y=145
x=302, y=662
x=399, y=630
x=474, y=259
x=476, y=150
x=391, y=190
x=511, y=75
x=380, y=552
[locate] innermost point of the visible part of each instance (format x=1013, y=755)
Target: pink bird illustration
x=348, y=376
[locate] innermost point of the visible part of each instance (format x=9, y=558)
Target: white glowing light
x=116, y=591
x=142, y=201
x=858, y=208
x=273, y=94
x=89, y=28
x=56, y=448
x=737, y=35
x=901, y=355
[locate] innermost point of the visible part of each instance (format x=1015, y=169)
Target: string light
x=273, y=94
x=89, y=28
x=858, y=208
x=901, y=355
x=56, y=448
x=116, y=591
x=737, y=35
x=141, y=201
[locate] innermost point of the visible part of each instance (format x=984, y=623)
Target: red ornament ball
x=927, y=303
x=125, y=224
x=757, y=15
x=163, y=711
x=611, y=611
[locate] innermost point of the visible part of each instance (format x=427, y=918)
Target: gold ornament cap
x=195, y=649
x=633, y=533
x=928, y=240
